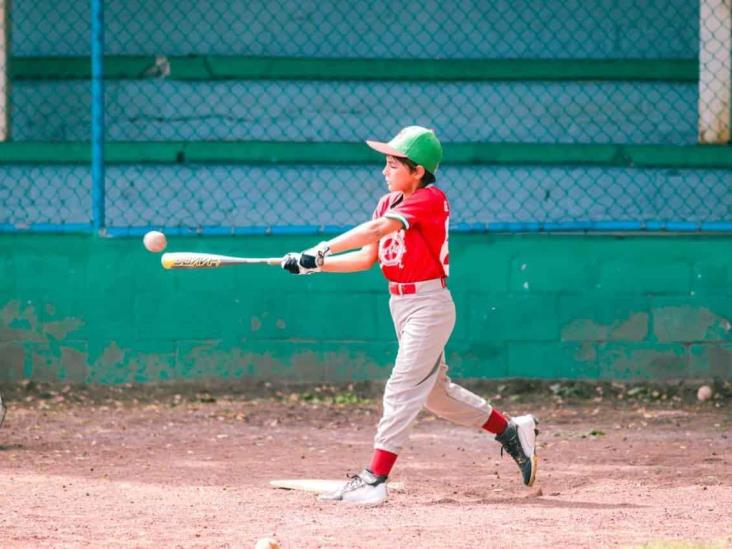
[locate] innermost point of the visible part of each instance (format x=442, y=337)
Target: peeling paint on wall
x=686, y=323
x=29, y=343
x=633, y=328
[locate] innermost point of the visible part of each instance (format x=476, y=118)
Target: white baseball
x=154, y=241
x=267, y=543
x=704, y=393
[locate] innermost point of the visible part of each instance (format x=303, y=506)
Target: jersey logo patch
x=392, y=249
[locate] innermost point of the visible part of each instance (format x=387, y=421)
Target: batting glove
x=313, y=258
x=291, y=263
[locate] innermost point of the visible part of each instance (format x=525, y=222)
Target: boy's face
x=399, y=178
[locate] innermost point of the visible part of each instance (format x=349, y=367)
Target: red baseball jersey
x=420, y=250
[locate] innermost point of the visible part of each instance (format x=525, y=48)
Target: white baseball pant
x=423, y=323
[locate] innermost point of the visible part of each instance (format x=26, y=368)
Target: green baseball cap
x=416, y=143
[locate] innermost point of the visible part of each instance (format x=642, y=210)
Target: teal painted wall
x=610, y=112
x=527, y=111
x=333, y=28
x=79, y=308
x=190, y=195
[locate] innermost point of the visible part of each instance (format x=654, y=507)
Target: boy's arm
x=352, y=262
x=366, y=233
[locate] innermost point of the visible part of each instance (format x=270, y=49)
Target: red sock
x=382, y=462
x=496, y=422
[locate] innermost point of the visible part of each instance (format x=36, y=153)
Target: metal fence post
x=4, y=80
x=97, y=107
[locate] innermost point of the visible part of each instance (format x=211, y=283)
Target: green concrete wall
x=79, y=308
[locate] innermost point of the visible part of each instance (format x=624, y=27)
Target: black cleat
x=519, y=440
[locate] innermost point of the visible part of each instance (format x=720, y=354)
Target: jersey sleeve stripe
x=398, y=217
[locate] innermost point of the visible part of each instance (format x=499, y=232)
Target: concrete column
x=715, y=50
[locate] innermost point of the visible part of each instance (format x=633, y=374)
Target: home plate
x=318, y=486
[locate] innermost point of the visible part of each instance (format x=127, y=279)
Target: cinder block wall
x=85, y=309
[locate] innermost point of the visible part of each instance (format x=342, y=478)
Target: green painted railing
x=270, y=68
x=255, y=152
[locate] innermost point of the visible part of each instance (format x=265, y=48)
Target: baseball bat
x=195, y=260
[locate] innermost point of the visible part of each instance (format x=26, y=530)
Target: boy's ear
x=420, y=171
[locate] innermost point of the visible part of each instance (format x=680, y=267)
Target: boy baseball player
x=408, y=236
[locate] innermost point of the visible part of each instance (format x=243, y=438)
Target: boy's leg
x=423, y=327
x=422, y=338
x=517, y=436
x=456, y=404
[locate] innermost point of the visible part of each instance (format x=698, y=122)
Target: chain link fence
x=38, y=113
x=229, y=116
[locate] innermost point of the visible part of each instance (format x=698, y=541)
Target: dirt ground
x=190, y=467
